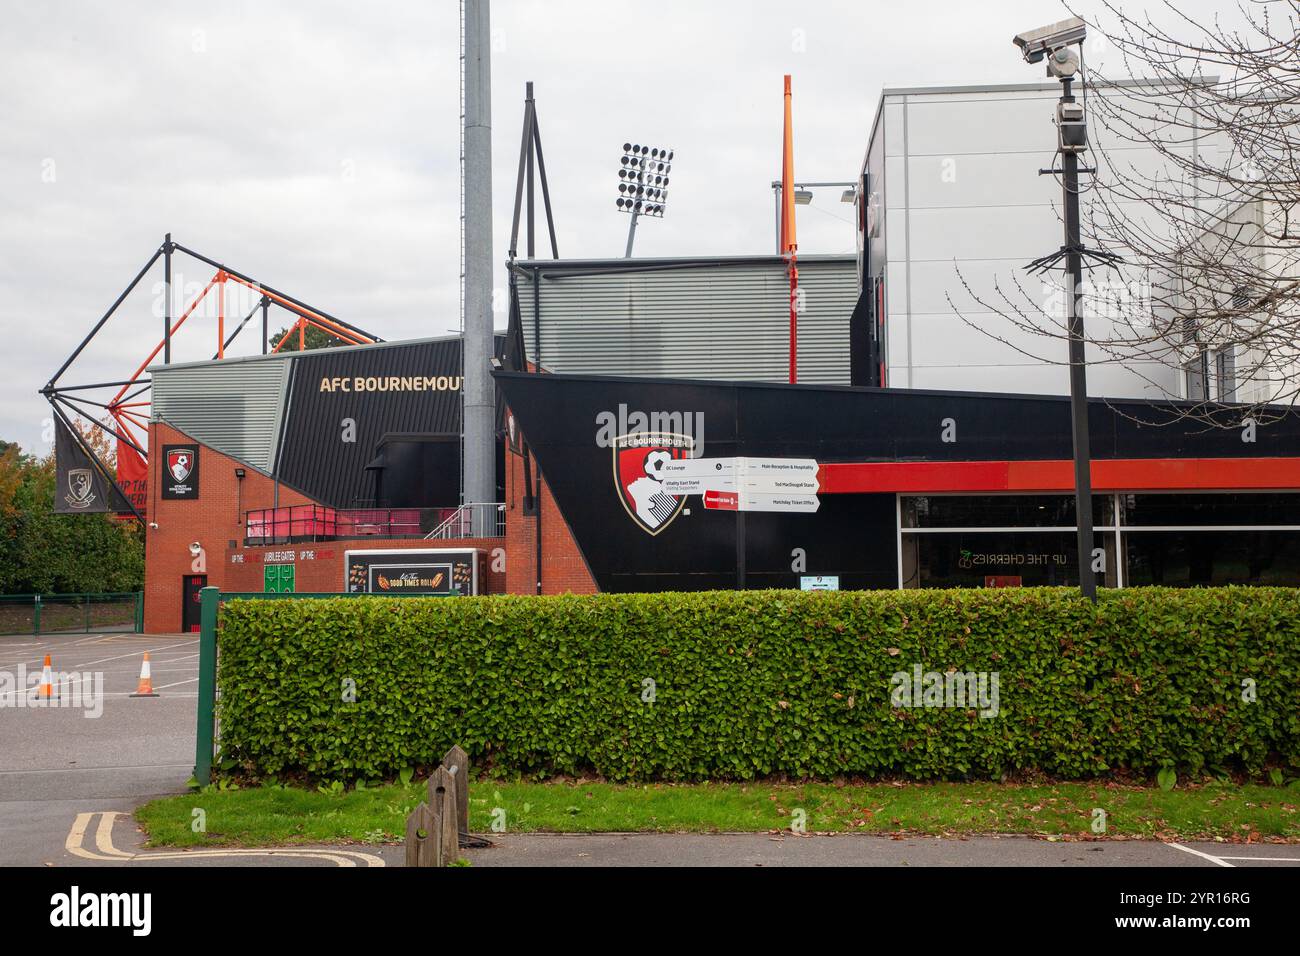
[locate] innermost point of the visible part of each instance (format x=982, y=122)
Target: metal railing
x=72, y=613
x=309, y=523
x=486, y=520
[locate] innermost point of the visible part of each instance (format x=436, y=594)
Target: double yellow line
x=106, y=852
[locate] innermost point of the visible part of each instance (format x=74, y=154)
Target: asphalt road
x=857, y=849
x=56, y=762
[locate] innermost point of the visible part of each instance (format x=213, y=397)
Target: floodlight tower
x=478, y=448
x=643, y=177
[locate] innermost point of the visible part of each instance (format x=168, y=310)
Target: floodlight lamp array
x=643, y=179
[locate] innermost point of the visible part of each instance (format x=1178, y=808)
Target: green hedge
x=751, y=684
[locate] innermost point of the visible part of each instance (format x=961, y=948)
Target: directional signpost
x=741, y=485
x=746, y=484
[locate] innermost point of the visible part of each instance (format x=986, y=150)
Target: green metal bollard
x=36, y=616
x=209, y=599
x=139, y=612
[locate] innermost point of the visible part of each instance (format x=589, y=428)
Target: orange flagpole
x=221, y=317
x=789, y=242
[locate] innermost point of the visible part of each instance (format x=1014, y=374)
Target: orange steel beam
x=284, y=339
x=140, y=420
x=158, y=348
x=123, y=413
x=129, y=436
x=315, y=318
x=304, y=316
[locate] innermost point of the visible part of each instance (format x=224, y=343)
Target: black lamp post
x=1054, y=43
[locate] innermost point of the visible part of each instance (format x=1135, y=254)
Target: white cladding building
x=952, y=210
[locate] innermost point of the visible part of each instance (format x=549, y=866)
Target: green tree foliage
x=741, y=685
x=315, y=339
x=48, y=553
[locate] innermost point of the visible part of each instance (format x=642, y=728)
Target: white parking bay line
x=1265, y=859
x=102, y=660
x=1216, y=860
x=145, y=766
x=192, y=680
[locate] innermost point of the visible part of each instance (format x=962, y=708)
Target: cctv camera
x=195, y=549
x=1063, y=63
x=1036, y=44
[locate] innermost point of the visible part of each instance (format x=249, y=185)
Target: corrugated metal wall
x=724, y=320
x=233, y=406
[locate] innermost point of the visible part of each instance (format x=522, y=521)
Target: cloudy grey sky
x=314, y=145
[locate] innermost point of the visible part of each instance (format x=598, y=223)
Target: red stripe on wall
x=1136, y=474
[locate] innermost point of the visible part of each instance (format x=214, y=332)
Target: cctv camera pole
x=1078, y=370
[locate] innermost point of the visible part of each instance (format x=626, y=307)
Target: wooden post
x=457, y=763
x=417, y=846
x=443, y=817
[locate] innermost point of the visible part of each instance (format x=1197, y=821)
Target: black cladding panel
x=411, y=388
x=850, y=535
x=420, y=472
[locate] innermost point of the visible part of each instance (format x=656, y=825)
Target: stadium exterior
x=944, y=457
x=918, y=488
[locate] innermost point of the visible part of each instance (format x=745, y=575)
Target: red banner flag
x=132, y=476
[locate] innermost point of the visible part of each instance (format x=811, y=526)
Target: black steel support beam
x=107, y=315
x=248, y=318
x=546, y=187
x=276, y=292
x=167, y=302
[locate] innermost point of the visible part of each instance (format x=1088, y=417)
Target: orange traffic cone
x=145, y=688
x=45, y=690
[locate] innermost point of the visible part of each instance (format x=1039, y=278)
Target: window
x=1225, y=375
x=1209, y=558
x=1177, y=540
x=1170, y=540
x=963, y=541
x=1194, y=373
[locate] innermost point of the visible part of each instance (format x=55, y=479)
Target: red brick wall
x=564, y=570
x=214, y=520
x=318, y=567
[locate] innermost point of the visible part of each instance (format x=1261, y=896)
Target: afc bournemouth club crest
x=638, y=475
x=180, y=471
x=180, y=463
x=81, y=489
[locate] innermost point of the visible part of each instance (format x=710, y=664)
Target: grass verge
x=280, y=815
